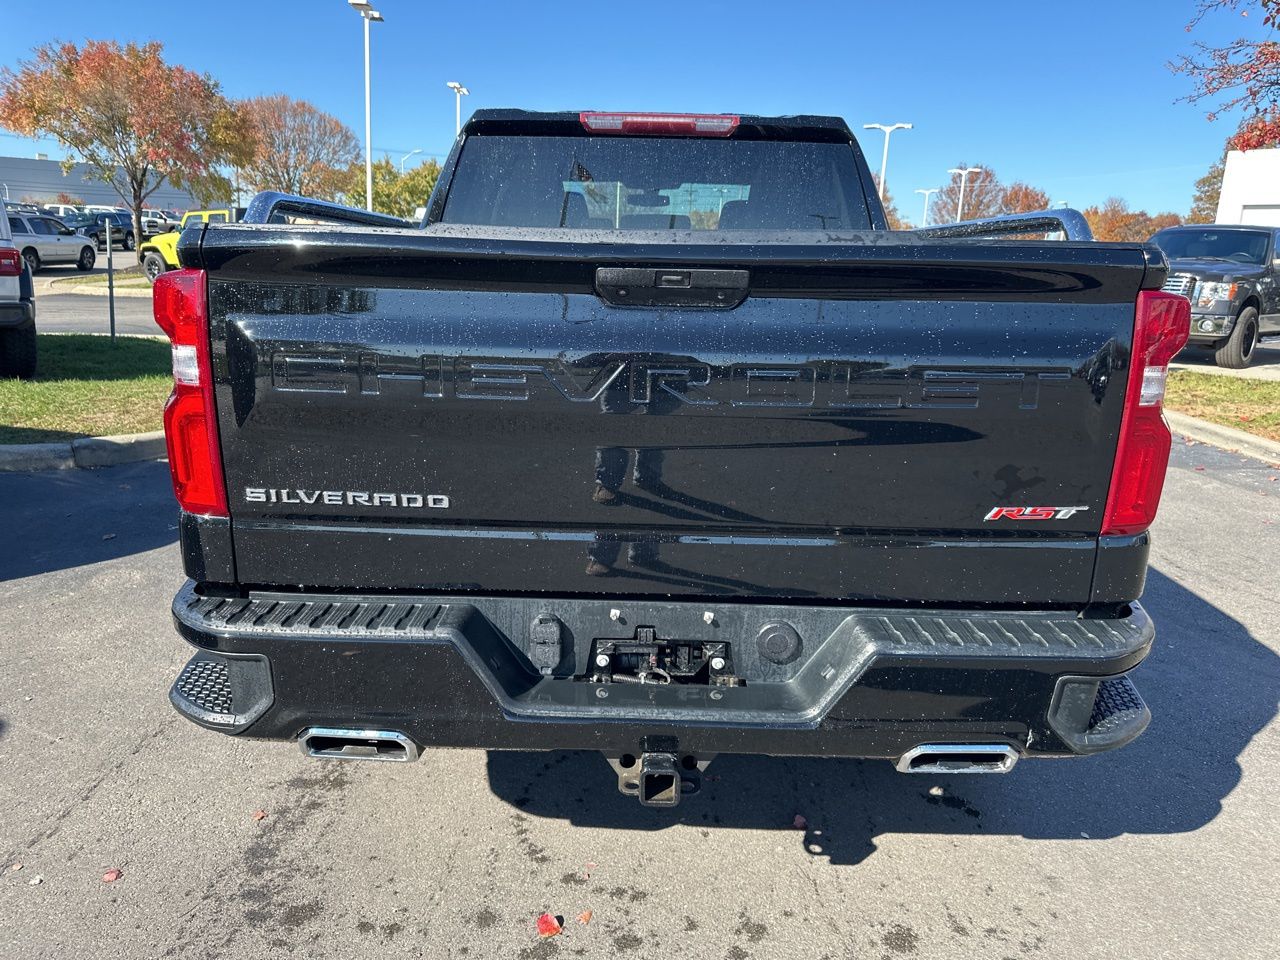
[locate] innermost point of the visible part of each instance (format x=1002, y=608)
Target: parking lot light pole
x=964, y=178
x=407, y=156
x=369, y=15
x=884, y=160
x=459, y=92
x=924, y=219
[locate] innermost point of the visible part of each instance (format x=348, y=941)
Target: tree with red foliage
x=134, y=119
x=1244, y=74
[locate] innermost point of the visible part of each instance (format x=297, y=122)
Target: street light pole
x=964, y=179
x=924, y=219
x=369, y=15
x=459, y=92
x=884, y=160
x=407, y=156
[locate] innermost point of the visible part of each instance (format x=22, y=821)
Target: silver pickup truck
x=17, y=310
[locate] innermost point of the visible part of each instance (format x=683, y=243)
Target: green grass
x=130, y=277
x=1250, y=405
x=86, y=386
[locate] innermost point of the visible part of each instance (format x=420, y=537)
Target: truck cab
x=1229, y=273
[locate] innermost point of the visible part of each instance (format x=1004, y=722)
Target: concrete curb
x=83, y=452
x=1225, y=437
x=95, y=290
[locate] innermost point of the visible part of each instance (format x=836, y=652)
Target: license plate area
x=647, y=658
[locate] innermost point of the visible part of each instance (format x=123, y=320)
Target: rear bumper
x=21, y=313
x=860, y=682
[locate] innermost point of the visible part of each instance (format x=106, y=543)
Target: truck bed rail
x=270, y=206
x=1071, y=223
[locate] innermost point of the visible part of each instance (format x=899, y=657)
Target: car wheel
x=18, y=352
x=153, y=265
x=88, y=256
x=32, y=258
x=128, y=241
x=1237, y=351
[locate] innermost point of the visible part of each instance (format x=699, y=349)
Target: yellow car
x=160, y=253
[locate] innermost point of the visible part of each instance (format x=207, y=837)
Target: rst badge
x=1033, y=513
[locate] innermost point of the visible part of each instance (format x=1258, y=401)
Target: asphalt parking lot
x=1165, y=849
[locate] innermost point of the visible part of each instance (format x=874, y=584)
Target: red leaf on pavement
x=548, y=926
x=112, y=875
x=584, y=917
x=800, y=823
x=259, y=814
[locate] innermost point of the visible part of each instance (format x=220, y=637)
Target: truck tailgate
x=406, y=411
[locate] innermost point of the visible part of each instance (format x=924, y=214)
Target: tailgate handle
x=658, y=287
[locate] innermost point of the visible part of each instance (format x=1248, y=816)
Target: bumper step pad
x=223, y=692
x=1092, y=715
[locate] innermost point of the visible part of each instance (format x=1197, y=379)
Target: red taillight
x=659, y=124
x=10, y=262
x=1161, y=325
x=190, y=419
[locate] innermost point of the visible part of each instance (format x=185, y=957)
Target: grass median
x=1249, y=405
x=87, y=386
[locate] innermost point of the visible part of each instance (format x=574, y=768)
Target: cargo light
x=10, y=262
x=1161, y=324
x=190, y=419
x=659, y=124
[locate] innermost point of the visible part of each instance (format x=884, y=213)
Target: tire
x=18, y=352
x=88, y=257
x=153, y=265
x=1237, y=350
x=32, y=258
x=129, y=243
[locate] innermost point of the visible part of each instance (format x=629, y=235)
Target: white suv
x=44, y=241
x=17, y=310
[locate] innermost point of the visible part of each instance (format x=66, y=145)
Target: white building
x=41, y=180
x=1251, y=188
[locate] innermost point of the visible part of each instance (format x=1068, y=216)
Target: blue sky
x=1072, y=97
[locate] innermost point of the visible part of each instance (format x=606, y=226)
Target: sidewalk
x=1266, y=364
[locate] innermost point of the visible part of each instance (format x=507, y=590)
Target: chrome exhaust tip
x=340, y=743
x=958, y=758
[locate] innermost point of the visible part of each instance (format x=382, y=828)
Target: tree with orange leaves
x=300, y=149
x=1021, y=197
x=130, y=116
x=1115, y=220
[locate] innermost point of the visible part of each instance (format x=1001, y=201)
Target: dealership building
x=1251, y=188
x=41, y=180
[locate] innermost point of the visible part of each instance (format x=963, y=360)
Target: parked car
x=17, y=310
x=102, y=208
x=44, y=241
x=160, y=253
x=157, y=221
x=560, y=471
x=1231, y=275
x=121, y=229
x=61, y=210
x=86, y=224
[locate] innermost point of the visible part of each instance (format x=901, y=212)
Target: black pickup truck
x=653, y=440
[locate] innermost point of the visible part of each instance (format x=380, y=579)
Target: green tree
x=396, y=193
x=1204, y=205
x=136, y=120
